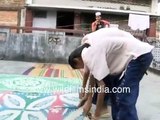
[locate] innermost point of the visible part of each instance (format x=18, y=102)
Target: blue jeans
x=124, y=104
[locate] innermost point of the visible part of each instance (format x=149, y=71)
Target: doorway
x=65, y=20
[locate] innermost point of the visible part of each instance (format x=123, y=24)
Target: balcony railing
x=17, y=29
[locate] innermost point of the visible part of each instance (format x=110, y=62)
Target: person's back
x=115, y=46
x=107, y=35
x=104, y=35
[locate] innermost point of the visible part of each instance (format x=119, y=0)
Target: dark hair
x=76, y=54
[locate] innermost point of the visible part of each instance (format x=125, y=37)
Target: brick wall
x=9, y=12
x=8, y=17
x=151, y=32
x=11, y=2
x=29, y=19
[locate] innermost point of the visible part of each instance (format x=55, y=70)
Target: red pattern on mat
x=49, y=72
x=56, y=113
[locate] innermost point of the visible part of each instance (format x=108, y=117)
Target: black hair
x=76, y=54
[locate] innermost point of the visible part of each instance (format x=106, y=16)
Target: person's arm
x=85, y=79
x=106, y=23
x=92, y=82
x=94, y=26
x=83, y=95
x=88, y=103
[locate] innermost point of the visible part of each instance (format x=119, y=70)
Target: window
x=40, y=14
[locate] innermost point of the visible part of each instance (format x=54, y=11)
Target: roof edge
x=92, y=9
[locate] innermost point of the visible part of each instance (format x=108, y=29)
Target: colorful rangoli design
x=37, y=98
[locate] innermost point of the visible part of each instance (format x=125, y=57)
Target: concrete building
x=78, y=14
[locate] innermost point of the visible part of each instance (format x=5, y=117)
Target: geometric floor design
x=24, y=83
x=37, y=98
x=53, y=70
x=41, y=91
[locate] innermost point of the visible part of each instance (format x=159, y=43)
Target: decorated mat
x=53, y=70
x=38, y=98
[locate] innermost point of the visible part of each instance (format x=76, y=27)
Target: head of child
x=98, y=16
x=75, y=59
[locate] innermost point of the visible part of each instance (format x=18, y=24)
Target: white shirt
x=110, y=51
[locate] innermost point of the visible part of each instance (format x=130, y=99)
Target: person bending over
x=108, y=53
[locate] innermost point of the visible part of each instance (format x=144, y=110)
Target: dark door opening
x=65, y=20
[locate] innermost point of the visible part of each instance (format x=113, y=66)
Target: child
x=99, y=23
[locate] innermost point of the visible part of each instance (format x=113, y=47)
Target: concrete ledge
x=154, y=71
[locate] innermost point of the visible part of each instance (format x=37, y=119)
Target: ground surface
x=38, y=91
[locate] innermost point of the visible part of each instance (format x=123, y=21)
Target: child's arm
x=106, y=23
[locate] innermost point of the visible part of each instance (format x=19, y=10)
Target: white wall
x=154, y=7
x=87, y=4
x=159, y=8
x=48, y=22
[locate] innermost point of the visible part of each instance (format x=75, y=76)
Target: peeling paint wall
x=38, y=47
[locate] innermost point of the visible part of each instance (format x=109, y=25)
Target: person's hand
x=97, y=22
x=97, y=115
x=82, y=101
x=95, y=118
x=87, y=106
x=81, y=95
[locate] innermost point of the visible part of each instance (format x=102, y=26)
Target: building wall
x=11, y=12
x=23, y=17
x=81, y=23
x=12, y=2
x=151, y=32
x=48, y=22
x=91, y=4
x=37, y=47
x=159, y=8
x=154, y=7
x=28, y=19
x=8, y=18
x=133, y=2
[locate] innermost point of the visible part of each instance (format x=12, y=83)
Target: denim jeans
x=124, y=104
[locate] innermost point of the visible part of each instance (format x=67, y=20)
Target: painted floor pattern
x=53, y=70
x=44, y=91
x=37, y=98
